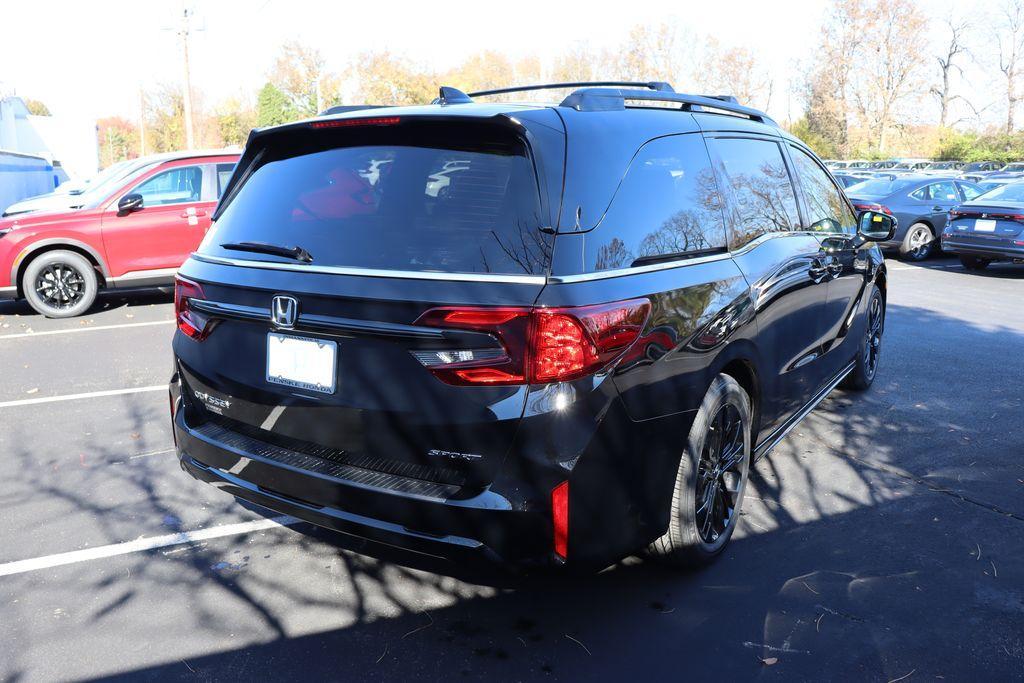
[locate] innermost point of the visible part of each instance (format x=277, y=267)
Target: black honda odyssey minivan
x=536, y=336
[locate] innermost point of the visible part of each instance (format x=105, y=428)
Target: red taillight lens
x=560, y=519
x=348, y=123
x=189, y=322
x=540, y=345
x=873, y=207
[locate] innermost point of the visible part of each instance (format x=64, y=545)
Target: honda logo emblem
x=283, y=311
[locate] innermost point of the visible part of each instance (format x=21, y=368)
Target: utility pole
x=183, y=32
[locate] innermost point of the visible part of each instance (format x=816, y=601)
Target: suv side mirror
x=876, y=227
x=129, y=203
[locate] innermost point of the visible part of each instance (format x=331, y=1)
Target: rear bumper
x=479, y=529
x=1003, y=250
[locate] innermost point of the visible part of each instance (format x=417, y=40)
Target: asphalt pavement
x=882, y=540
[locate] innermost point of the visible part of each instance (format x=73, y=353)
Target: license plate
x=302, y=362
x=984, y=226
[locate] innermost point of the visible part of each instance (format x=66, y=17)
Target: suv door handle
x=197, y=212
x=938, y=208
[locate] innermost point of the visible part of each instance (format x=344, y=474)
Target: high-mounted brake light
x=348, y=123
x=560, y=519
x=189, y=321
x=538, y=345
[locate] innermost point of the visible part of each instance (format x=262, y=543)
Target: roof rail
x=659, y=86
x=614, y=99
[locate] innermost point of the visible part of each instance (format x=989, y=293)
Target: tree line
x=876, y=83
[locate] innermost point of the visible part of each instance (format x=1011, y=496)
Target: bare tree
x=890, y=66
x=1010, y=38
x=956, y=47
x=733, y=71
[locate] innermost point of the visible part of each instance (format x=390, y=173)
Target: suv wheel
x=918, y=244
x=711, y=479
x=974, y=263
x=60, y=284
x=863, y=373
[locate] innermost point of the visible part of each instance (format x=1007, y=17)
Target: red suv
x=134, y=234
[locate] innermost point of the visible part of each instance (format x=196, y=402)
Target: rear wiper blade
x=296, y=253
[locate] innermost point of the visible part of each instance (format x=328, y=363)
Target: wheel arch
x=739, y=362
x=37, y=249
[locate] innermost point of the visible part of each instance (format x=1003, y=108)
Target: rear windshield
x=879, y=187
x=401, y=198
x=1013, y=192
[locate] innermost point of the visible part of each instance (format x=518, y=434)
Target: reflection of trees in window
x=698, y=227
x=828, y=211
x=613, y=255
x=765, y=201
x=525, y=247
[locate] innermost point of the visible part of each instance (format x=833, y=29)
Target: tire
x=973, y=262
x=870, y=347
x=919, y=243
x=694, y=538
x=60, y=284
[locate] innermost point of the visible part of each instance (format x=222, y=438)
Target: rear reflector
x=560, y=519
x=189, y=322
x=348, y=123
x=538, y=345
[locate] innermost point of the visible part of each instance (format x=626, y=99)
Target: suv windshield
x=412, y=203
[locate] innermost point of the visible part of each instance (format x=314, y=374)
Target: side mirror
x=129, y=203
x=876, y=227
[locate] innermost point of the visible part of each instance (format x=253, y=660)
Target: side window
x=970, y=191
x=763, y=197
x=827, y=210
x=943, y=192
x=224, y=172
x=666, y=205
x=174, y=186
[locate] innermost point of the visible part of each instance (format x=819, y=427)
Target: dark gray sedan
x=989, y=228
x=920, y=203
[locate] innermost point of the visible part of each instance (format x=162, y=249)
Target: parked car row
x=974, y=171
x=132, y=227
x=980, y=222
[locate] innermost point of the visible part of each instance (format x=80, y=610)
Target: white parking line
x=22, y=335
x=75, y=397
x=142, y=544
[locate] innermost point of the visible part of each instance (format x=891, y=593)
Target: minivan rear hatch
x=306, y=307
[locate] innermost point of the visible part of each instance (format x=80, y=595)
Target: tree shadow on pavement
x=848, y=563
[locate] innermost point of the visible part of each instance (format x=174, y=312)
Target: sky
x=89, y=59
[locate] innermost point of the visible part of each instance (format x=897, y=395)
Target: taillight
x=560, y=519
x=189, y=322
x=880, y=208
x=539, y=345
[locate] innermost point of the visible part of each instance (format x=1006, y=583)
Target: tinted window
x=175, y=186
x=970, y=191
x=224, y=172
x=394, y=207
x=667, y=204
x=826, y=206
x=1014, y=192
x=940, y=192
x=762, y=194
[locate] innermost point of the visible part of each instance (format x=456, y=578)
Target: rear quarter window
x=410, y=199
x=667, y=206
